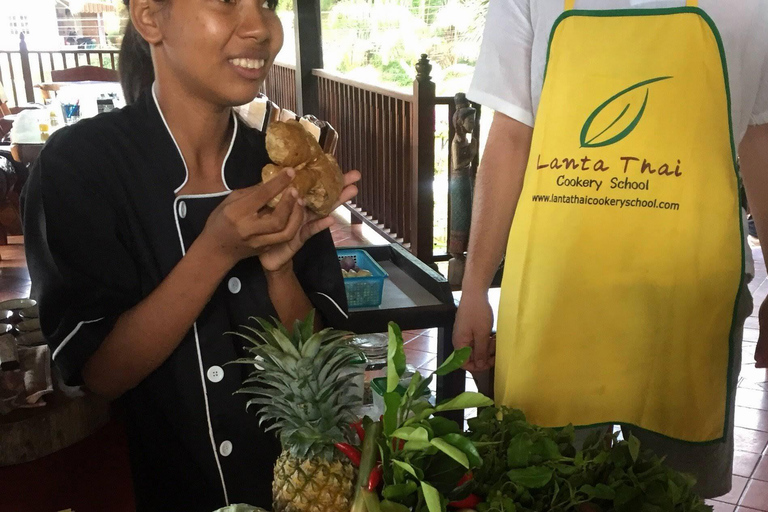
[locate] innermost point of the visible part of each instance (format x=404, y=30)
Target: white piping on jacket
x=72, y=335
x=186, y=168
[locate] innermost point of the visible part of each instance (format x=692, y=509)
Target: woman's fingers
x=315, y=227
x=352, y=177
x=252, y=199
x=350, y=190
x=287, y=232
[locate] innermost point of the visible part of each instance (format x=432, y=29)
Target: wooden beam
x=26, y=71
x=309, y=54
x=423, y=197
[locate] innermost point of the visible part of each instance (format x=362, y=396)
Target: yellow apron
x=625, y=256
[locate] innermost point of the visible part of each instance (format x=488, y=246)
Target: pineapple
x=302, y=393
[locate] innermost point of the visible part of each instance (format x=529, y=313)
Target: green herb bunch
x=531, y=469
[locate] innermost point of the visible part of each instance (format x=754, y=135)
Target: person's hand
x=242, y=226
x=761, y=352
x=280, y=255
x=474, y=323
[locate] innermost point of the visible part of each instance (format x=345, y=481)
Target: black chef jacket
x=103, y=227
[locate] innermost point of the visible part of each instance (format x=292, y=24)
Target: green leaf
x=371, y=501
x=418, y=438
x=442, y=426
x=675, y=492
x=466, y=400
x=634, y=447
x=451, y=451
x=625, y=495
x=395, y=357
x=566, y=470
x=421, y=390
x=566, y=434
x=399, y=491
x=533, y=477
x=546, y=448
x=455, y=361
x=391, y=405
x=601, y=458
x=308, y=326
x=419, y=434
x=432, y=497
x=604, y=130
x=603, y=492
x=403, y=433
x=593, y=439
x=467, y=446
x=391, y=506
x=412, y=386
x=519, y=451
x=420, y=413
x=417, y=446
x=407, y=467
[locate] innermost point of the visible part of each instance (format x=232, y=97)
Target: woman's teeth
x=248, y=63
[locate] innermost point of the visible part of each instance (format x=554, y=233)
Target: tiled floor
x=750, y=481
x=750, y=468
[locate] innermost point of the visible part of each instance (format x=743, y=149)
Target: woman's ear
x=144, y=15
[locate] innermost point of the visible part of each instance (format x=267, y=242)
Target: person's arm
x=753, y=156
x=145, y=336
x=288, y=297
x=497, y=191
x=285, y=289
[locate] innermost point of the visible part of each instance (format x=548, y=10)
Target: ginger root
x=318, y=180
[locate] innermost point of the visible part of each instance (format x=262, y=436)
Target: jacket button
x=225, y=448
x=182, y=209
x=234, y=285
x=215, y=374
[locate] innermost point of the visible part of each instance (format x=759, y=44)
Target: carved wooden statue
x=463, y=152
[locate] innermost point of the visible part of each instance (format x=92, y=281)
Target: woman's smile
x=250, y=69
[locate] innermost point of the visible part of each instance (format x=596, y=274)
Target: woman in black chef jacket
x=147, y=238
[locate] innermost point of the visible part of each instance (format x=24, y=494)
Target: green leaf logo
x=617, y=126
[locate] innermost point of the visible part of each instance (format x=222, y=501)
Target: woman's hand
x=279, y=256
x=241, y=226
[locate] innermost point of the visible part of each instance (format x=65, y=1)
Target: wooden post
x=423, y=196
x=26, y=71
x=309, y=55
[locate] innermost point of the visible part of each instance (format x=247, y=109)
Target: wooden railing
x=390, y=137
x=18, y=67
x=375, y=128
x=280, y=85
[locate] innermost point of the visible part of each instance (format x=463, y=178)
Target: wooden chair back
x=84, y=74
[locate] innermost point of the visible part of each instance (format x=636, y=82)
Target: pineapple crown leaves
x=298, y=384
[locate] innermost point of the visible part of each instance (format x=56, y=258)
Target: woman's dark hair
x=135, y=64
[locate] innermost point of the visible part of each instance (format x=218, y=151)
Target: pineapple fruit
x=300, y=387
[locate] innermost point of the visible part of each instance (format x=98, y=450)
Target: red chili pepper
x=351, y=452
x=470, y=501
x=398, y=444
x=375, y=478
x=358, y=427
x=466, y=478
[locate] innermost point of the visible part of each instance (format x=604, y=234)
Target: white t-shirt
x=510, y=70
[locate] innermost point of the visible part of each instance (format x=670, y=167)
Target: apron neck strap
x=688, y=3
